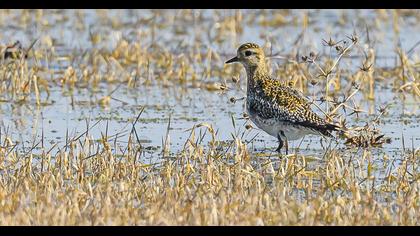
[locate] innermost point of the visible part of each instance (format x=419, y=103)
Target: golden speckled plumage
x=280, y=110
x=271, y=99
x=247, y=46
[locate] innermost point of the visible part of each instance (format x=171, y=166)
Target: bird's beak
x=235, y=59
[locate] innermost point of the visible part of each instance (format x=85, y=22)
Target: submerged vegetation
x=110, y=64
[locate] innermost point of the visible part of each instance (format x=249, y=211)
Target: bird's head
x=250, y=55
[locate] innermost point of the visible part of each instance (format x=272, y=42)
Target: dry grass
x=99, y=181
x=214, y=185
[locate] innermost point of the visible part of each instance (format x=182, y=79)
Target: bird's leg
x=285, y=141
x=280, y=143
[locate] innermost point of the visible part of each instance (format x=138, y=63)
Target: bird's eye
x=248, y=53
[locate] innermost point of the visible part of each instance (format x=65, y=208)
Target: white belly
x=274, y=127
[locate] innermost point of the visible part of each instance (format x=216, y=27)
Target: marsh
x=132, y=117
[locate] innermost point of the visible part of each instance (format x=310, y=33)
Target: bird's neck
x=255, y=74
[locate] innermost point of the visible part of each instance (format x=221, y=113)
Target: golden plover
x=279, y=110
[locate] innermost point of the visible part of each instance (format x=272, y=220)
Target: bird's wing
x=278, y=102
x=288, y=104
x=299, y=95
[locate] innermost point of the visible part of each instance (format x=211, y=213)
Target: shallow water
x=67, y=113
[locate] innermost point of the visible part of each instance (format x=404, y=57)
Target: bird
x=278, y=109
